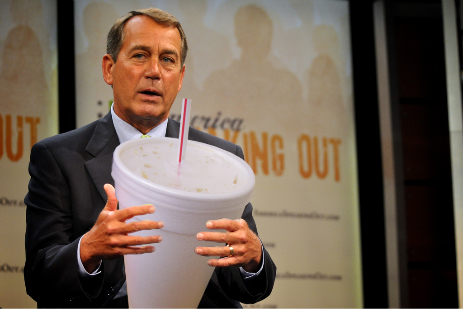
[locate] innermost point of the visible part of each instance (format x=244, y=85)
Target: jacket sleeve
x=51, y=270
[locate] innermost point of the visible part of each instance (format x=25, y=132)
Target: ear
x=182, y=73
x=107, y=66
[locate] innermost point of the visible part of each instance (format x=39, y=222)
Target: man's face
x=147, y=74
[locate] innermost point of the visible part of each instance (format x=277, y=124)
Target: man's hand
x=247, y=248
x=109, y=239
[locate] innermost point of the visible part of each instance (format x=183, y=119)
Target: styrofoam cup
x=210, y=184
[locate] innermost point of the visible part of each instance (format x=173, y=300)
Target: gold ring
x=231, y=250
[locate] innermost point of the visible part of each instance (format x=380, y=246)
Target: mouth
x=150, y=93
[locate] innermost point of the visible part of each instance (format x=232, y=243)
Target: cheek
x=129, y=75
x=127, y=84
x=173, y=85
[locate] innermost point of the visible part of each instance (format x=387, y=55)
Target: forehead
x=144, y=30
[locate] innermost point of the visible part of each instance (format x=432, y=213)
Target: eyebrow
x=140, y=47
x=170, y=52
x=148, y=49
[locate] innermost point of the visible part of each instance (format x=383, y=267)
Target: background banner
x=28, y=113
x=274, y=77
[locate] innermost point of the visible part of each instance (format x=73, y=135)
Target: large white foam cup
x=210, y=184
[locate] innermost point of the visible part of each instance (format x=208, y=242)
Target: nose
x=153, y=70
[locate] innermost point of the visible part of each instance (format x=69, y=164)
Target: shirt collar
x=126, y=132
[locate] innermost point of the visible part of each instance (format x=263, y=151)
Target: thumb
x=111, y=204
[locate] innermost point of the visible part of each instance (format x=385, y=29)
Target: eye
x=139, y=56
x=167, y=59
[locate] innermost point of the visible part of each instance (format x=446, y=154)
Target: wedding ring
x=231, y=250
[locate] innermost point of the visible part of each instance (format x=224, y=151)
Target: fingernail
x=199, y=251
x=161, y=224
x=199, y=236
x=209, y=263
x=152, y=209
x=159, y=238
x=208, y=224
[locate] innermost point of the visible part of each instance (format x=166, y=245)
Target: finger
x=133, y=250
x=140, y=226
x=144, y=240
x=214, y=251
x=224, y=224
x=111, y=204
x=214, y=236
x=224, y=262
x=130, y=212
x=132, y=241
x=140, y=249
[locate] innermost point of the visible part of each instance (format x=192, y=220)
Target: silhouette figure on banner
x=251, y=87
x=30, y=13
x=327, y=113
x=92, y=91
x=207, y=50
x=23, y=83
x=23, y=86
x=295, y=44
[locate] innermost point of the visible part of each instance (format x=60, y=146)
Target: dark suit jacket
x=65, y=197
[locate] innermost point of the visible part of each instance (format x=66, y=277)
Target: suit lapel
x=102, y=145
x=173, y=128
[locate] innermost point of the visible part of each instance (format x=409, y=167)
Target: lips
x=150, y=92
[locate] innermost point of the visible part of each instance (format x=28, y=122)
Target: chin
x=149, y=114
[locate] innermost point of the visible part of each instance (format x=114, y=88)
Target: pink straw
x=184, y=128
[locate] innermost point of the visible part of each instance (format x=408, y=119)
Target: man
x=75, y=242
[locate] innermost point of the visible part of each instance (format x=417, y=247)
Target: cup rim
x=121, y=173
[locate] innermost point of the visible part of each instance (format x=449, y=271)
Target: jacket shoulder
x=69, y=138
x=78, y=139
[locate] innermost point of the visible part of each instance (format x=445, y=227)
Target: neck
x=144, y=124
